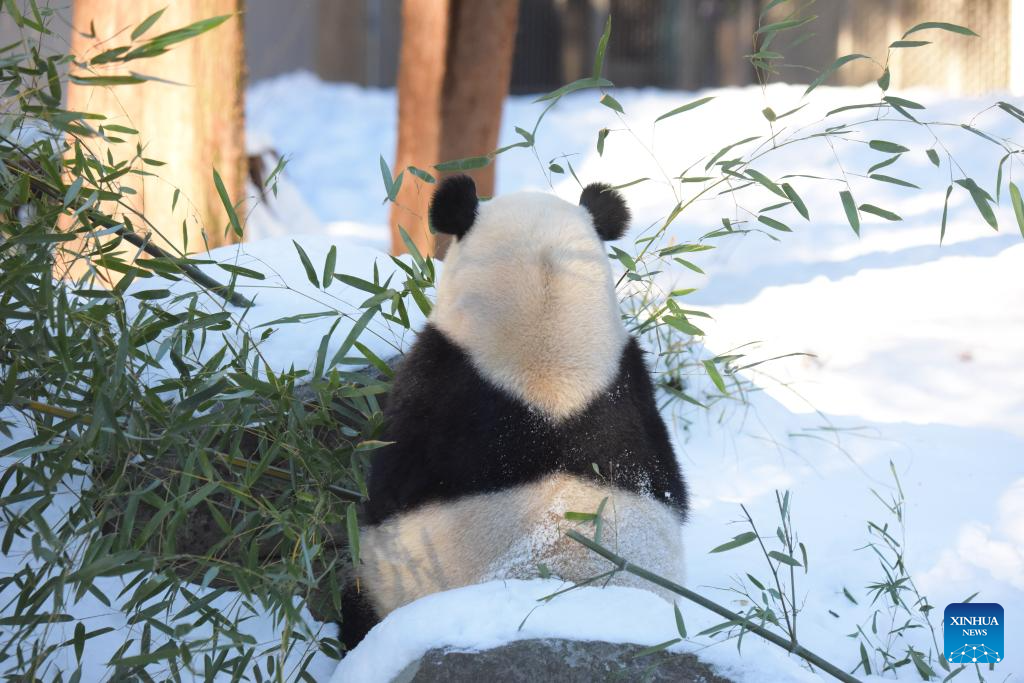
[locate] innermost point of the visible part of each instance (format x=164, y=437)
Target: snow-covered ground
x=917, y=362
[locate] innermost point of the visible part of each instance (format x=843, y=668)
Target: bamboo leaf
x=684, y=108
x=364, y=285
x=413, y=250
x=886, y=162
x=722, y=152
x=883, y=80
x=676, y=393
x=850, y=107
x=798, y=203
x=942, y=26
x=769, y=6
x=353, y=334
x=1015, y=112
x=690, y=265
x=716, y=377
x=391, y=185
x=683, y=325
x=73, y=189
x=865, y=661
x=894, y=181
x=654, y=649
x=900, y=102
x=329, y=264
x=845, y=59
x=737, y=541
x=167, y=651
x=775, y=224
x=352, y=527
x=881, y=213
x=602, y=45
x=981, y=200
x=162, y=43
x=625, y=259
x=422, y=175
x=784, y=25
x=784, y=559
x=981, y=134
x=610, y=102
x=467, y=164
x=926, y=672
x=78, y=79
x=767, y=182
x=1018, y=206
x=222, y=191
x=307, y=265
x=900, y=44
x=680, y=625
x=581, y=84
x=945, y=214
x=239, y=270
x=888, y=147
x=147, y=23
x=851, y=211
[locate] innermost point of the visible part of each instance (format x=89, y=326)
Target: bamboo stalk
x=187, y=269
x=190, y=271
x=790, y=646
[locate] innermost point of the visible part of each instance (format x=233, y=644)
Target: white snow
x=491, y=614
x=917, y=361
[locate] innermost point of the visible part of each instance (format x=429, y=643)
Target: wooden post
x=194, y=127
x=453, y=76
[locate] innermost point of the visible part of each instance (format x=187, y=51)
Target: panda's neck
x=557, y=364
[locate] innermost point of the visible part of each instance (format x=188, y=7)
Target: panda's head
x=528, y=293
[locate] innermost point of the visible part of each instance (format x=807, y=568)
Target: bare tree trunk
x=194, y=127
x=456, y=61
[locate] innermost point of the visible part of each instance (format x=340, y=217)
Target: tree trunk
x=453, y=77
x=194, y=127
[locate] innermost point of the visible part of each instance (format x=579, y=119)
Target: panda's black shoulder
x=455, y=434
x=432, y=418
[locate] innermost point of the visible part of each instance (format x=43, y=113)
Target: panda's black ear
x=607, y=208
x=453, y=206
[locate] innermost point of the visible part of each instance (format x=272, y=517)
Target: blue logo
x=973, y=633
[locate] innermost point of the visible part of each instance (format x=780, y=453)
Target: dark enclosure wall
x=685, y=44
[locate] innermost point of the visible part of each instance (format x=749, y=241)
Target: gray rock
x=564, y=661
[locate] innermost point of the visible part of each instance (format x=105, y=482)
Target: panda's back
x=456, y=435
x=511, y=533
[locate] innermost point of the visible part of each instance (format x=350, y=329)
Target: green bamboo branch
x=790, y=646
x=187, y=269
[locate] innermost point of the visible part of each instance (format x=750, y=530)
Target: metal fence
x=958, y=64
x=685, y=44
x=691, y=44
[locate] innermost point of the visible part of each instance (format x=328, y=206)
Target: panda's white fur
x=506, y=535
x=534, y=306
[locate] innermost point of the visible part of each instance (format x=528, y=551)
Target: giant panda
x=523, y=398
